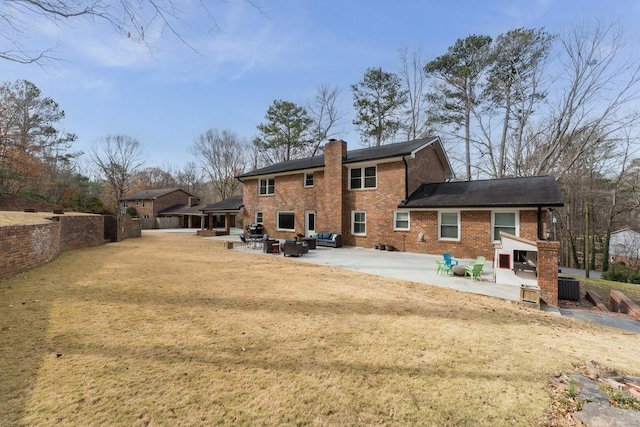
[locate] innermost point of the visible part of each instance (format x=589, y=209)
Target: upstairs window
x=267, y=186
x=362, y=178
x=308, y=179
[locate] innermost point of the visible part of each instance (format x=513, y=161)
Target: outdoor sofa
x=333, y=240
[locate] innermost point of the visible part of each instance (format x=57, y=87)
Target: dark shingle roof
x=151, y=194
x=233, y=203
x=537, y=191
x=181, y=210
x=398, y=149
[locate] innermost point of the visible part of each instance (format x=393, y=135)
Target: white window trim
x=255, y=217
x=493, y=221
x=362, y=168
x=278, y=220
x=313, y=180
x=267, y=186
x=395, y=221
x=456, y=239
x=353, y=219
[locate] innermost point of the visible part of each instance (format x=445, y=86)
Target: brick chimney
x=193, y=201
x=335, y=151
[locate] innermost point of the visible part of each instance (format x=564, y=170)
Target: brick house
x=398, y=195
x=178, y=207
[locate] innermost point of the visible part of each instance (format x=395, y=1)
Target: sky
x=247, y=54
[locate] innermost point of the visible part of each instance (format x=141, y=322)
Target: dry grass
x=172, y=329
x=20, y=218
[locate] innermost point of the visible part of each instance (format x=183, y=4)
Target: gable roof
x=536, y=191
x=152, y=194
x=233, y=203
x=388, y=151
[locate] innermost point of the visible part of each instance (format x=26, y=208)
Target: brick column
x=548, y=271
x=334, y=152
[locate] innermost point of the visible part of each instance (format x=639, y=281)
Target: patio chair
x=442, y=267
x=448, y=261
x=245, y=242
x=474, y=271
x=293, y=248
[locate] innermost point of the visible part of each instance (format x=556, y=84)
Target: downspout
x=539, y=220
x=406, y=178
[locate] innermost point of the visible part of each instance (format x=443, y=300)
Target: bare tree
x=129, y=18
x=599, y=88
x=326, y=115
x=414, y=81
x=189, y=178
x=118, y=158
x=222, y=156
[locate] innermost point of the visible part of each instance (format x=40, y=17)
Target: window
x=359, y=223
x=308, y=179
x=124, y=204
x=267, y=186
x=259, y=219
x=401, y=220
x=286, y=221
x=362, y=178
x=449, y=226
x=503, y=221
x=143, y=203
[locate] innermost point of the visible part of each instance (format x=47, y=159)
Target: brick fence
x=27, y=246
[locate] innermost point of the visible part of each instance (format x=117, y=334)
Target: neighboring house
x=624, y=246
x=164, y=208
x=396, y=195
x=223, y=214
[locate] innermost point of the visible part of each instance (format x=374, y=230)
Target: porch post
x=548, y=271
x=227, y=220
x=210, y=227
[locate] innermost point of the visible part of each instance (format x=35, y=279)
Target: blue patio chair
x=448, y=261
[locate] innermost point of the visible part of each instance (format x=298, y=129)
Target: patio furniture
x=310, y=241
x=449, y=261
x=474, y=270
x=293, y=248
x=268, y=245
x=442, y=267
x=245, y=242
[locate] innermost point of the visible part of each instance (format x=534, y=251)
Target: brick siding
x=334, y=205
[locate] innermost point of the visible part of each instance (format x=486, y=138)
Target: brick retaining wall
x=27, y=246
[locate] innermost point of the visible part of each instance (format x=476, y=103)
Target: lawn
x=173, y=329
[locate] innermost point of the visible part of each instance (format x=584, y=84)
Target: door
x=309, y=223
